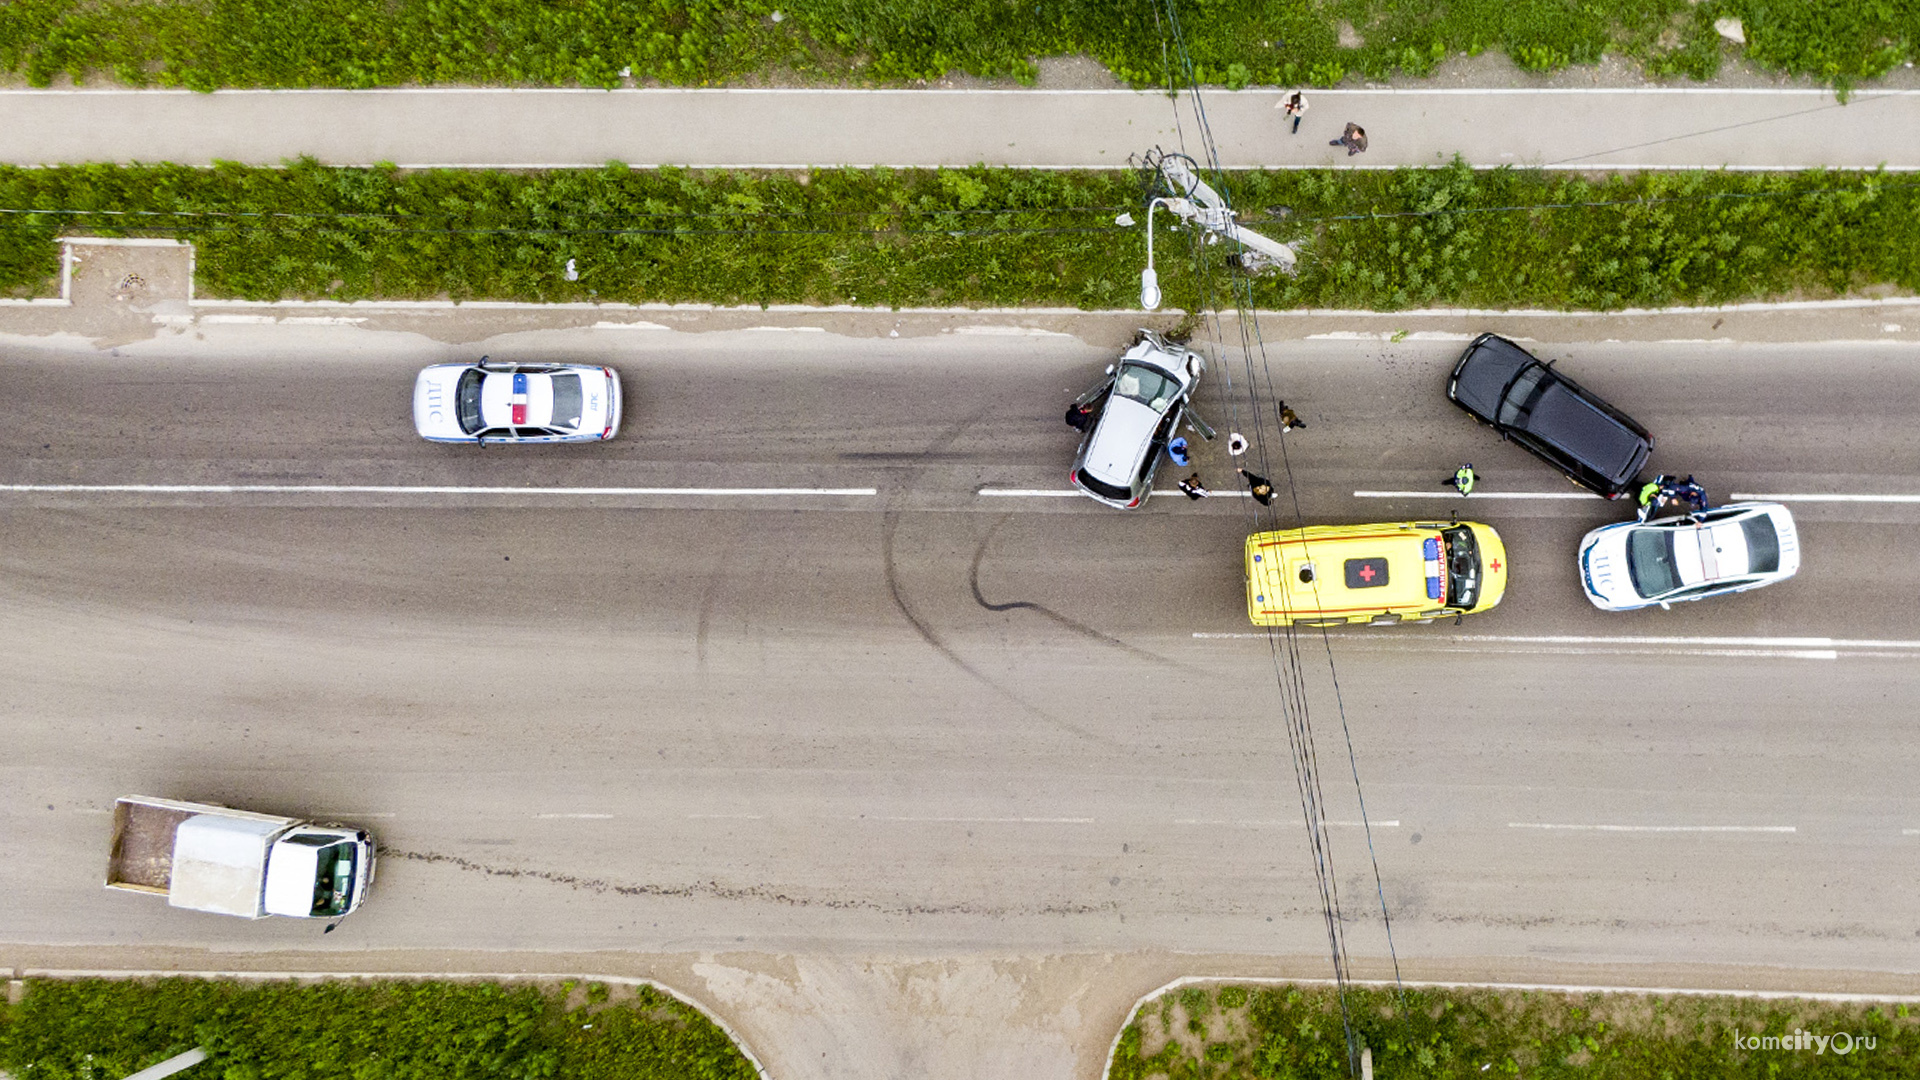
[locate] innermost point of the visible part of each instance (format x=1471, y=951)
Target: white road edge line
x=573, y=817
x=1743, y=496
x=726, y=817
x=394, y=489
x=1443, y=493
x=1068, y=493
x=1251, y=823
x=1655, y=828
x=977, y=820
x=1624, y=640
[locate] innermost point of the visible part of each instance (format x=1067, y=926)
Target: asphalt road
x=1565, y=128
x=926, y=720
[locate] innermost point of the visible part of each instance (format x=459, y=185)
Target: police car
x=1728, y=549
x=1415, y=571
x=491, y=402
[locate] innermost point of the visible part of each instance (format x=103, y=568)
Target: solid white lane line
x=399, y=489
x=1820, y=645
x=1655, y=828
x=1445, y=493
x=1068, y=493
x=726, y=817
x=976, y=820
x=1250, y=823
x=573, y=817
x=1743, y=496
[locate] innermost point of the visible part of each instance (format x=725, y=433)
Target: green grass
x=204, y=44
x=1296, y=1033
x=980, y=237
x=105, y=1028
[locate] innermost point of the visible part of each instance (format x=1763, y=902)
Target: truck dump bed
x=142, y=858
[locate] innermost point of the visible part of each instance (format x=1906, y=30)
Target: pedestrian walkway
x=1646, y=128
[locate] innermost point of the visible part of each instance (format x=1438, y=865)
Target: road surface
x=929, y=722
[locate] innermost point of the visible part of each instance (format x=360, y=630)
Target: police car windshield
x=1462, y=554
x=1146, y=386
x=467, y=398
x=1650, y=562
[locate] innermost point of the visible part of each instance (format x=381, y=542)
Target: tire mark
x=1078, y=627
x=890, y=525
x=714, y=890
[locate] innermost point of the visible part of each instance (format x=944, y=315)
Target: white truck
x=234, y=862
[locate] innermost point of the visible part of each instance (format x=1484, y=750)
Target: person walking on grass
x=1463, y=479
x=1295, y=105
x=1354, y=139
x=1258, y=487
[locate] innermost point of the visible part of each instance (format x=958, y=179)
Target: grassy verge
x=78, y=1030
x=206, y=44
x=1374, y=240
x=1205, y=1032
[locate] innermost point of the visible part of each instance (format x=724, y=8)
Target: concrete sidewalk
x=1639, y=128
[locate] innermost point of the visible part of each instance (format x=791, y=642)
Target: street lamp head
x=1149, y=289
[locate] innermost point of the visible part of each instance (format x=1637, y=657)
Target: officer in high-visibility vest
x=1650, y=493
x=1463, y=479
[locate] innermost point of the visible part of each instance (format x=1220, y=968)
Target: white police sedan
x=491, y=402
x=1728, y=549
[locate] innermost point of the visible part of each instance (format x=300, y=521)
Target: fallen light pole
x=1195, y=202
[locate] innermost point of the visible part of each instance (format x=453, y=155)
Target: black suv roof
x=1561, y=422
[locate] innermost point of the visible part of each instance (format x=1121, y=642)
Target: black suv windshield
x=1146, y=385
x=467, y=396
x=1650, y=562
x=1462, y=554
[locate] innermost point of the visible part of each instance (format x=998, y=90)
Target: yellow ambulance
x=1327, y=575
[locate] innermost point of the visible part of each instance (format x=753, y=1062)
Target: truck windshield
x=1462, y=554
x=333, y=881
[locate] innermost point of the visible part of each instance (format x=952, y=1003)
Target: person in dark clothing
x=1079, y=417
x=1354, y=139
x=1193, y=489
x=1290, y=419
x=1257, y=485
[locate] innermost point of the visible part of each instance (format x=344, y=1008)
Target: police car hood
x=1120, y=439
x=436, y=414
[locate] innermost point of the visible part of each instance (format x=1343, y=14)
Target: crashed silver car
x=1130, y=417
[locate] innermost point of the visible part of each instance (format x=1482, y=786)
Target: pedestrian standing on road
x=1290, y=419
x=1236, y=443
x=1463, y=479
x=1079, y=417
x=1193, y=489
x=1257, y=485
x=1177, y=450
x=1296, y=106
x=1354, y=139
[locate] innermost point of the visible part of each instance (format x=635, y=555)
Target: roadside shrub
x=980, y=236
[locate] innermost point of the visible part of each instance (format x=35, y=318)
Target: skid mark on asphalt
x=714, y=890
x=889, y=528
x=979, y=597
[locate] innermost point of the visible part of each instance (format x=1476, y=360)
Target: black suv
x=1561, y=422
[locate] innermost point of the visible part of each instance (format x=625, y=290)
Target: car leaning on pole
x=1133, y=416
x=1728, y=549
x=489, y=402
